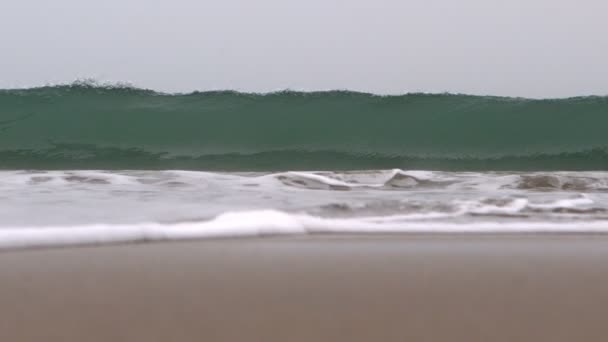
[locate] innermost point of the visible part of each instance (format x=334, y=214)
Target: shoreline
x=320, y=236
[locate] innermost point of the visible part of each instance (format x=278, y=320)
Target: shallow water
x=74, y=207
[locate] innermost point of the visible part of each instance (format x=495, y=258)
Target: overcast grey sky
x=532, y=48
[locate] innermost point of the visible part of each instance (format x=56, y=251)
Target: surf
x=90, y=126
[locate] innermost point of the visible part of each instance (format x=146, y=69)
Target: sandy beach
x=380, y=288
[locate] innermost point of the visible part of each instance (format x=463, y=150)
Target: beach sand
x=350, y=288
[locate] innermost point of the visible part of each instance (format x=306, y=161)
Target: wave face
x=84, y=126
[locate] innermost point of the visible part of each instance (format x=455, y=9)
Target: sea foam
x=266, y=223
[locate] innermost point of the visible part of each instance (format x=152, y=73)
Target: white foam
x=564, y=203
x=379, y=179
x=327, y=180
x=71, y=207
x=419, y=174
x=512, y=207
x=267, y=222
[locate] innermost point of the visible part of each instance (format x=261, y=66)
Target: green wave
x=84, y=126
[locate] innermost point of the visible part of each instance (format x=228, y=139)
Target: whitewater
x=58, y=208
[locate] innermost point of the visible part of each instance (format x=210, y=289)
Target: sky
x=528, y=48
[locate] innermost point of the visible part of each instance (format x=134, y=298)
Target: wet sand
x=390, y=288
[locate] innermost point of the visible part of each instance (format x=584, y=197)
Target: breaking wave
x=88, y=126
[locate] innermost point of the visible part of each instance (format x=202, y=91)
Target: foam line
x=264, y=223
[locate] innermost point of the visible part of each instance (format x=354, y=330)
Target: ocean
x=92, y=164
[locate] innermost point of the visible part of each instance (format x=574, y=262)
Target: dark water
x=83, y=126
